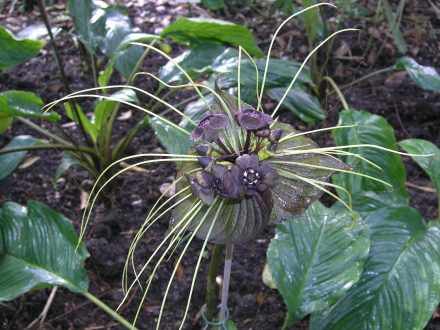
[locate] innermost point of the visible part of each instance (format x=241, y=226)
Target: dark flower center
x=251, y=177
x=218, y=186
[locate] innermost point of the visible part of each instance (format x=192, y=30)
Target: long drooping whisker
x=52, y=104
x=290, y=152
x=181, y=226
x=331, y=169
x=185, y=226
x=317, y=183
x=144, y=228
x=303, y=64
x=295, y=134
x=169, y=58
x=205, y=216
x=85, y=223
x=273, y=40
x=375, y=147
x=198, y=263
x=135, y=106
x=257, y=76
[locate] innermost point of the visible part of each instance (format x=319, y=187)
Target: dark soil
x=412, y=112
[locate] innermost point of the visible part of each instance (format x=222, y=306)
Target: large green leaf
x=89, y=20
x=305, y=106
x=431, y=165
x=25, y=104
x=375, y=130
x=174, y=141
x=425, y=77
x=5, y=122
x=10, y=161
x=37, y=248
x=316, y=258
x=400, y=286
x=15, y=51
x=66, y=162
x=199, y=60
x=196, y=31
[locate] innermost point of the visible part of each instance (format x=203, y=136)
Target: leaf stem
x=372, y=74
x=211, y=284
x=42, y=130
x=337, y=90
x=226, y=279
x=41, y=146
x=108, y=310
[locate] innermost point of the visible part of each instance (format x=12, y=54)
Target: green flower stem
x=368, y=76
x=211, y=284
x=108, y=310
x=337, y=90
x=41, y=130
x=226, y=278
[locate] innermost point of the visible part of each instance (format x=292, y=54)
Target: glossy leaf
x=199, y=60
x=431, y=165
x=36, y=31
x=400, y=285
x=66, y=162
x=25, y=104
x=174, y=141
x=10, y=161
x=196, y=31
x=14, y=51
x=38, y=250
x=5, y=122
x=89, y=20
x=425, y=77
x=375, y=130
x=316, y=258
x=305, y=106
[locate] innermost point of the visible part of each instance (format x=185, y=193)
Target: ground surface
x=411, y=111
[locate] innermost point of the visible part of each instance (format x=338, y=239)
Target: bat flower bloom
x=244, y=183
x=209, y=127
x=252, y=175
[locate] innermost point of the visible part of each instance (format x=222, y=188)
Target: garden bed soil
x=412, y=112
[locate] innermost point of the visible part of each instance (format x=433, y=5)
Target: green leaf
x=199, y=60
x=425, y=77
x=174, y=141
x=36, y=31
x=305, y=106
x=104, y=108
x=213, y=4
x=393, y=24
x=89, y=18
x=196, y=31
x=66, y=162
x=124, y=57
x=37, y=245
x=431, y=165
x=15, y=51
x=316, y=258
x=400, y=286
x=5, y=122
x=230, y=325
x=375, y=130
x=25, y=104
x=10, y=161
x=81, y=118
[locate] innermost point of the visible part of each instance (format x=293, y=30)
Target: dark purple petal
x=216, y=121
x=247, y=161
x=196, y=134
x=263, y=133
x=205, y=161
x=210, y=135
x=275, y=135
x=225, y=186
x=203, y=149
x=253, y=120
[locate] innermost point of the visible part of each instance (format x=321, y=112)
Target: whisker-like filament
x=304, y=63
x=181, y=226
x=54, y=103
x=296, y=134
x=331, y=169
x=185, y=226
x=205, y=216
x=273, y=40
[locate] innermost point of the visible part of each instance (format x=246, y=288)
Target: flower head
x=253, y=120
x=209, y=127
